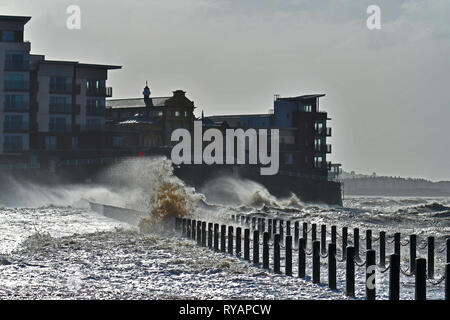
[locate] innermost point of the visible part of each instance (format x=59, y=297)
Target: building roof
x=304, y=97
x=81, y=65
x=135, y=102
x=15, y=19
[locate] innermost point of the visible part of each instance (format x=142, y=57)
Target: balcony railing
x=22, y=85
x=93, y=127
x=95, y=111
x=323, y=131
x=64, y=108
x=323, y=148
x=17, y=65
x=65, y=89
x=100, y=92
x=13, y=147
x=60, y=127
x=16, y=126
x=18, y=106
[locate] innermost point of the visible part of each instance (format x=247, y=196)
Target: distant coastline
x=364, y=185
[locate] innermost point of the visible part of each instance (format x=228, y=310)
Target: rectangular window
x=17, y=102
x=13, y=143
x=318, y=162
x=117, y=141
x=74, y=143
x=17, y=60
x=8, y=36
x=288, y=158
x=61, y=84
x=50, y=143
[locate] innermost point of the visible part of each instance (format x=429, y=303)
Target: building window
x=318, y=162
x=307, y=108
x=74, y=143
x=50, y=143
x=288, y=158
x=13, y=143
x=16, y=101
x=8, y=36
x=117, y=141
x=177, y=113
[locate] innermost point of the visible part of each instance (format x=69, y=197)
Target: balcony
x=17, y=106
x=16, y=126
x=93, y=127
x=323, y=148
x=323, y=132
x=15, y=85
x=99, y=92
x=65, y=89
x=13, y=147
x=60, y=127
x=95, y=111
x=64, y=108
x=17, y=65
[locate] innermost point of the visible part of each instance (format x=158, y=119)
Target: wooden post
x=382, y=248
x=344, y=242
x=332, y=266
x=210, y=235
x=266, y=250
x=323, y=238
x=238, y=242
x=253, y=223
x=368, y=239
x=421, y=279
x=350, y=272
x=281, y=231
x=274, y=226
x=305, y=233
x=356, y=241
x=199, y=232
x=370, y=274
x=269, y=228
x=430, y=241
x=296, y=233
x=301, y=258
x=223, y=231
x=316, y=261
x=412, y=253
x=216, y=237
x=183, y=227
x=333, y=234
x=256, y=247
x=447, y=281
x=288, y=228
x=313, y=232
x=230, y=239
x=397, y=239
x=394, y=277
x=276, y=253
x=447, y=243
x=247, y=244
x=203, y=234
x=193, y=228
x=288, y=255
x=263, y=225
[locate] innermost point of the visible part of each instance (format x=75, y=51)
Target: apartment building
x=47, y=106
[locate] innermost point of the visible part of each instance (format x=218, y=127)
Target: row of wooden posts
x=215, y=237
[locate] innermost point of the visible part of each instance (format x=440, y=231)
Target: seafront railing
x=243, y=239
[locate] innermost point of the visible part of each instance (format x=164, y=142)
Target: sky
x=387, y=90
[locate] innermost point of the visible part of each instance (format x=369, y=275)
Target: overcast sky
x=388, y=90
